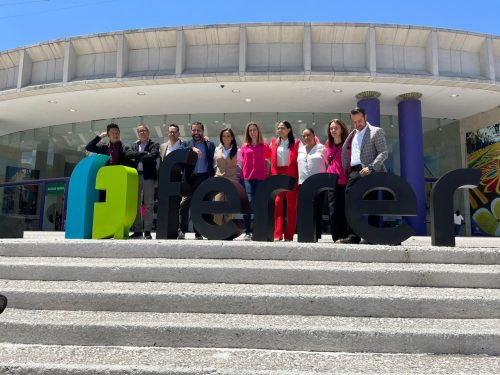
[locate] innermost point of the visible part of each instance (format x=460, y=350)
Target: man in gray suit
x=363, y=153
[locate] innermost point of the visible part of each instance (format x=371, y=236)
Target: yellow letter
x=115, y=216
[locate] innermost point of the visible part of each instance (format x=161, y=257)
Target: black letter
x=442, y=233
x=170, y=190
x=263, y=220
x=3, y=303
x=404, y=204
x=309, y=194
x=237, y=202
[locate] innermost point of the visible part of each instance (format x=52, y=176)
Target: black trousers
x=336, y=206
x=372, y=220
x=194, y=182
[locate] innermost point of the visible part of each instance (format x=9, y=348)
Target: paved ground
x=420, y=241
x=228, y=307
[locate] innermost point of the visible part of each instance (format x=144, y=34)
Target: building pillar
x=412, y=154
x=369, y=100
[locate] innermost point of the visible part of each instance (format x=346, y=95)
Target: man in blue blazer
x=194, y=176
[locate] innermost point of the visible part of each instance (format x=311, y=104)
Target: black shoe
x=181, y=235
x=135, y=235
x=3, y=303
x=147, y=235
x=198, y=237
x=349, y=240
x=365, y=242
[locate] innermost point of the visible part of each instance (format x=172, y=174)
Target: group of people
x=349, y=155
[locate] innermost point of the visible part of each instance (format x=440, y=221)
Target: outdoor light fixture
x=52, y=101
x=72, y=110
x=337, y=91
x=235, y=91
x=140, y=93
x=248, y=100
x=454, y=96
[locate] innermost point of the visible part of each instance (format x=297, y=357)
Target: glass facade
x=53, y=152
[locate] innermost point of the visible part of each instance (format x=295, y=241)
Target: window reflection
x=55, y=150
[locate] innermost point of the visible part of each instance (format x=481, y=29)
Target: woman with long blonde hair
x=253, y=155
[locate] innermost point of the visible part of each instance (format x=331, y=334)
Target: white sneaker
x=247, y=237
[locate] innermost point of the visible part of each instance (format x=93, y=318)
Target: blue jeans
x=250, y=188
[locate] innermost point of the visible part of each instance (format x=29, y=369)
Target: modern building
x=428, y=88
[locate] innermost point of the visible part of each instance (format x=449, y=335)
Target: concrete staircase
x=212, y=307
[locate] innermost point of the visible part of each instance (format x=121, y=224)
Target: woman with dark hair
x=226, y=165
x=337, y=134
x=253, y=155
x=312, y=160
x=284, y=151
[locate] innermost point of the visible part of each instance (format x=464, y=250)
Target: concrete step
x=372, y=301
x=190, y=249
x=237, y=271
x=86, y=360
x=284, y=332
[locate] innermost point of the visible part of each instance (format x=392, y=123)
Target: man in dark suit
x=145, y=153
x=203, y=170
x=115, y=148
x=363, y=153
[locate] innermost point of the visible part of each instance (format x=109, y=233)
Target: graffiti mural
x=483, y=151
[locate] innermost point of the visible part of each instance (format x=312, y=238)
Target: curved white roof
x=281, y=67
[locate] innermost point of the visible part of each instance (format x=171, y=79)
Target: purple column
x=370, y=102
x=412, y=154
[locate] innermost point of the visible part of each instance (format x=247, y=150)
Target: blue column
x=412, y=154
x=369, y=100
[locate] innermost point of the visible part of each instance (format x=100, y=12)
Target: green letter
x=114, y=217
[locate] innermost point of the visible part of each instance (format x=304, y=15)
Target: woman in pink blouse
x=253, y=155
x=337, y=134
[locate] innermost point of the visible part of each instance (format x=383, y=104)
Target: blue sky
x=24, y=22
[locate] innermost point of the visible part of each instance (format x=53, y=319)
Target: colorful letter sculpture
x=115, y=216
x=88, y=217
x=82, y=195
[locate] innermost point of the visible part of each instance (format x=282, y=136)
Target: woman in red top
x=284, y=151
x=337, y=134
